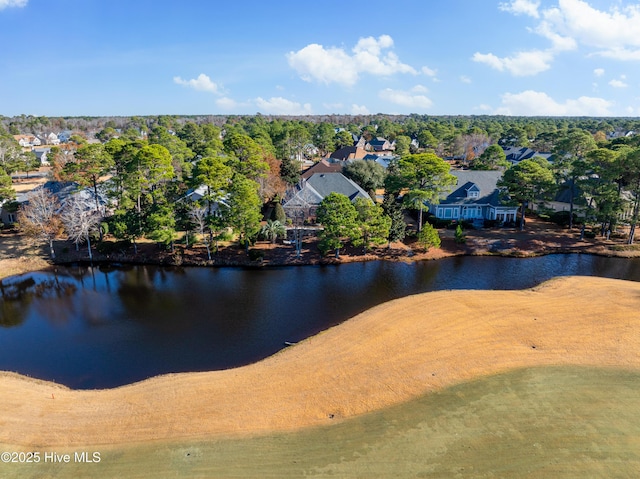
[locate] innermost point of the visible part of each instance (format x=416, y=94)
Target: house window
x=473, y=194
x=447, y=212
x=11, y=217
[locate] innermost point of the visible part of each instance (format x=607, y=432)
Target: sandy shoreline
x=387, y=355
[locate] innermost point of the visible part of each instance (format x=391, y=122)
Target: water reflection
x=101, y=327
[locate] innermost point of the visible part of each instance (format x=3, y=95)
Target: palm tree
x=272, y=230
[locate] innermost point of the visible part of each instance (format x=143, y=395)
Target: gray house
x=63, y=191
x=475, y=197
x=308, y=195
x=198, y=194
x=515, y=154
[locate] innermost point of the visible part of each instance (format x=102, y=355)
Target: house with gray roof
x=63, y=191
x=216, y=208
x=310, y=192
x=326, y=165
x=381, y=144
x=515, y=154
x=475, y=197
x=41, y=155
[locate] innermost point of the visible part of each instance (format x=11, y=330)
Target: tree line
x=251, y=161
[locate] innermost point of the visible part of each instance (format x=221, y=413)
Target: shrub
x=460, y=237
x=256, y=255
x=466, y=224
x=226, y=236
x=279, y=214
x=192, y=237
x=429, y=237
x=561, y=218
x=108, y=247
x=589, y=234
x=438, y=222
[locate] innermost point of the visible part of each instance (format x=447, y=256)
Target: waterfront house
x=303, y=201
x=475, y=197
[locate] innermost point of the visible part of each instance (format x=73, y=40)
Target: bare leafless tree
x=80, y=219
x=199, y=216
x=39, y=217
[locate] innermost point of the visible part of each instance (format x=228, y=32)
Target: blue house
x=475, y=197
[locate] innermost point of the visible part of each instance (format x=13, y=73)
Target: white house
x=52, y=139
x=41, y=155
x=26, y=141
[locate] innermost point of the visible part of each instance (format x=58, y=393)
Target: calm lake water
x=107, y=326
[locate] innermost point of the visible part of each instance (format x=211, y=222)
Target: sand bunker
x=384, y=356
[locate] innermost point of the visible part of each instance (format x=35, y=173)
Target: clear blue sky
x=148, y=57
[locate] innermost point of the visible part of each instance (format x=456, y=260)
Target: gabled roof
x=196, y=194
x=323, y=166
x=349, y=152
x=64, y=190
x=563, y=195
x=383, y=160
x=326, y=183
x=485, y=182
x=380, y=144
x=516, y=154
x=320, y=185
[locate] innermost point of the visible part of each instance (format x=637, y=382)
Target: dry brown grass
x=19, y=254
x=28, y=184
x=385, y=356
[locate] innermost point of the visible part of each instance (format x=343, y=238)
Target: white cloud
x=419, y=89
x=314, y=62
x=521, y=64
x=359, y=110
x=202, y=83
x=560, y=43
x=335, y=65
x=13, y=3
x=465, y=79
x=598, y=72
x=282, y=106
x=430, y=72
x=612, y=33
x=483, y=107
x=534, y=103
x=618, y=83
x=521, y=7
x=405, y=98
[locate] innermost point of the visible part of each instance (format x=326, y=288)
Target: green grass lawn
x=560, y=422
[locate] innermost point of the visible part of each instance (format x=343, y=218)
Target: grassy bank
x=533, y=423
